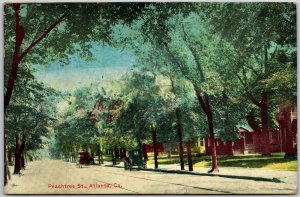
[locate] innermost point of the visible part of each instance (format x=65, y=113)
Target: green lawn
x=275, y=161
x=106, y=158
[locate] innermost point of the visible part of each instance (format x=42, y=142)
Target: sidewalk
x=256, y=174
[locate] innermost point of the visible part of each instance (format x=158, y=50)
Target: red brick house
x=150, y=149
x=282, y=139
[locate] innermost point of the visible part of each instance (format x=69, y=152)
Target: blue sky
x=108, y=63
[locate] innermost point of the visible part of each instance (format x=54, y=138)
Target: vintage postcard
x=150, y=98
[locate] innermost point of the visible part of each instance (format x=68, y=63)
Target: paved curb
x=276, y=180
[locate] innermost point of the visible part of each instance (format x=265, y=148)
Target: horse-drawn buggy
x=84, y=159
x=135, y=158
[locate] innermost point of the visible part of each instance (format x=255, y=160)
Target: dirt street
x=58, y=177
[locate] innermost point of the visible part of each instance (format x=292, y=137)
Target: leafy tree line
x=236, y=71
x=264, y=56
x=74, y=130
x=28, y=118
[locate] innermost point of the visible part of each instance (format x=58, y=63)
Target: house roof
x=244, y=127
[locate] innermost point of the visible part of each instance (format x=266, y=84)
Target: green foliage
x=261, y=52
x=69, y=36
x=75, y=129
x=53, y=148
x=31, y=111
x=141, y=105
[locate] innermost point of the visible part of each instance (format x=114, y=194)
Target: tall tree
x=141, y=104
x=28, y=116
x=184, y=46
x=264, y=52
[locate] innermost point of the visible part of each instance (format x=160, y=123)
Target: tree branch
x=257, y=59
x=273, y=54
x=249, y=95
x=266, y=59
x=42, y=36
x=253, y=99
x=175, y=61
x=173, y=85
x=200, y=98
x=23, y=141
x=242, y=82
x=244, y=74
x=197, y=61
x=253, y=70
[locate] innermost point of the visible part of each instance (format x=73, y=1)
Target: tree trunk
x=20, y=33
x=10, y=157
x=101, y=155
x=179, y=130
x=19, y=159
x=190, y=161
x=92, y=155
x=5, y=163
x=116, y=152
x=22, y=160
x=205, y=105
x=145, y=155
x=213, y=150
x=113, y=157
x=17, y=167
x=124, y=152
x=75, y=155
x=154, y=147
x=121, y=153
x=265, y=127
x=140, y=145
x=99, y=158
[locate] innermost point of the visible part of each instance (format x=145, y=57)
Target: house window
x=201, y=142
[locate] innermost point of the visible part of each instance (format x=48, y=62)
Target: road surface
x=59, y=177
